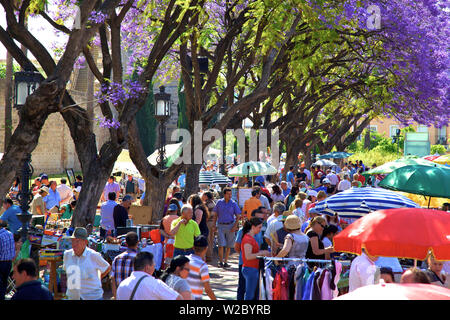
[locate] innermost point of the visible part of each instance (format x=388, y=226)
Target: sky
x=38, y=27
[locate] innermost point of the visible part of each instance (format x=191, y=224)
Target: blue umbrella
x=335, y=155
x=358, y=202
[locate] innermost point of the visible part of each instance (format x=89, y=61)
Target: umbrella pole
x=429, y=201
x=415, y=263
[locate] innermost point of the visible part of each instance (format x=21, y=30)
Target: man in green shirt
x=185, y=230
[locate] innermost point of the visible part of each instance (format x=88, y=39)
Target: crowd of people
x=278, y=220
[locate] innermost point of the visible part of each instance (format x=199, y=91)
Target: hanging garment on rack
x=262, y=286
x=299, y=283
x=308, y=287
x=268, y=284
x=315, y=292
x=291, y=272
x=336, y=278
x=325, y=290
x=281, y=285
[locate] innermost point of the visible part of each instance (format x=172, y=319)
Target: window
x=393, y=130
x=373, y=128
x=422, y=128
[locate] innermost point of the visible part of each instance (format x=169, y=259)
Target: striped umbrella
x=252, y=169
x=219, y=178
x=358, y=202
x=205, y=177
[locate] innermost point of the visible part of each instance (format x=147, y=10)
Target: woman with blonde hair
x=434, y=272
x=316, y=248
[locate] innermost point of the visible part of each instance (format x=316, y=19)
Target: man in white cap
x=82, y=265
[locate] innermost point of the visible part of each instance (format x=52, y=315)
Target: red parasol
x=397, y=291
x=404, y=233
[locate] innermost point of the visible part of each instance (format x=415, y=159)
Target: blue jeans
x=251, y=276
x=178, y=252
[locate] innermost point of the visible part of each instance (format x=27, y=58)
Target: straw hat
x=292, y=222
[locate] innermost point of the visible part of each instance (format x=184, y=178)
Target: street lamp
x=162, y=114
x=396, y=139
x=25, y=83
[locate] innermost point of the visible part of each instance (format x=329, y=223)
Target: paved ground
x=224, y=281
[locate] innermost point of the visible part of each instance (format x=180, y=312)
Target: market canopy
x=388, y=167
x=335, y=155
x=430, y=181
x=252, y=169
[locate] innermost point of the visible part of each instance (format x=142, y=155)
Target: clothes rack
x=343, y=262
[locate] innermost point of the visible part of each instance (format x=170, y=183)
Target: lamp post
x=396, y=139
x=25, y=83
x=162, y=114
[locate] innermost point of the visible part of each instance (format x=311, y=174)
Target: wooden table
x=53, y=283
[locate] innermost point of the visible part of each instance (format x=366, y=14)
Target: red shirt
x=254, y=263
x=362, y=179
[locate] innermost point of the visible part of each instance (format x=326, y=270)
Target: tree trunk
x=192, y=179
x=8, y=100
x=26, y=136
x=93, y=184
x=157, y=191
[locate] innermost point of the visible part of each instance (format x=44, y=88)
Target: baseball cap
x=173, y=207
x=326, y=180
x=44, y=176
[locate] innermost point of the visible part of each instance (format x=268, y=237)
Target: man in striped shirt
x=123, y=264
x=198, y=278
x=7, y=254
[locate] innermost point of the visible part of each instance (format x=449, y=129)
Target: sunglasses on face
x=322, y=225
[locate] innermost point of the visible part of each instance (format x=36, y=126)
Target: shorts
x=225, y=236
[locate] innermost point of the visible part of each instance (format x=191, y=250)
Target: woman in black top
x=316, y=249
x=201, y=213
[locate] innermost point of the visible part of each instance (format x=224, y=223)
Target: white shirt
x=301, y=214
x=65, y=192
x=107, y=214
x=344, y=185
x=83, y=274
x=274, y=225
x=264, y=201
x=308, y=173
x=149, y=289
x=333, y=179
x=362, y=272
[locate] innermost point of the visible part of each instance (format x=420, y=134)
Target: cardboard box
x=141, y=214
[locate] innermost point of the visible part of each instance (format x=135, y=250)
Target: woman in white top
x=175, y=276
